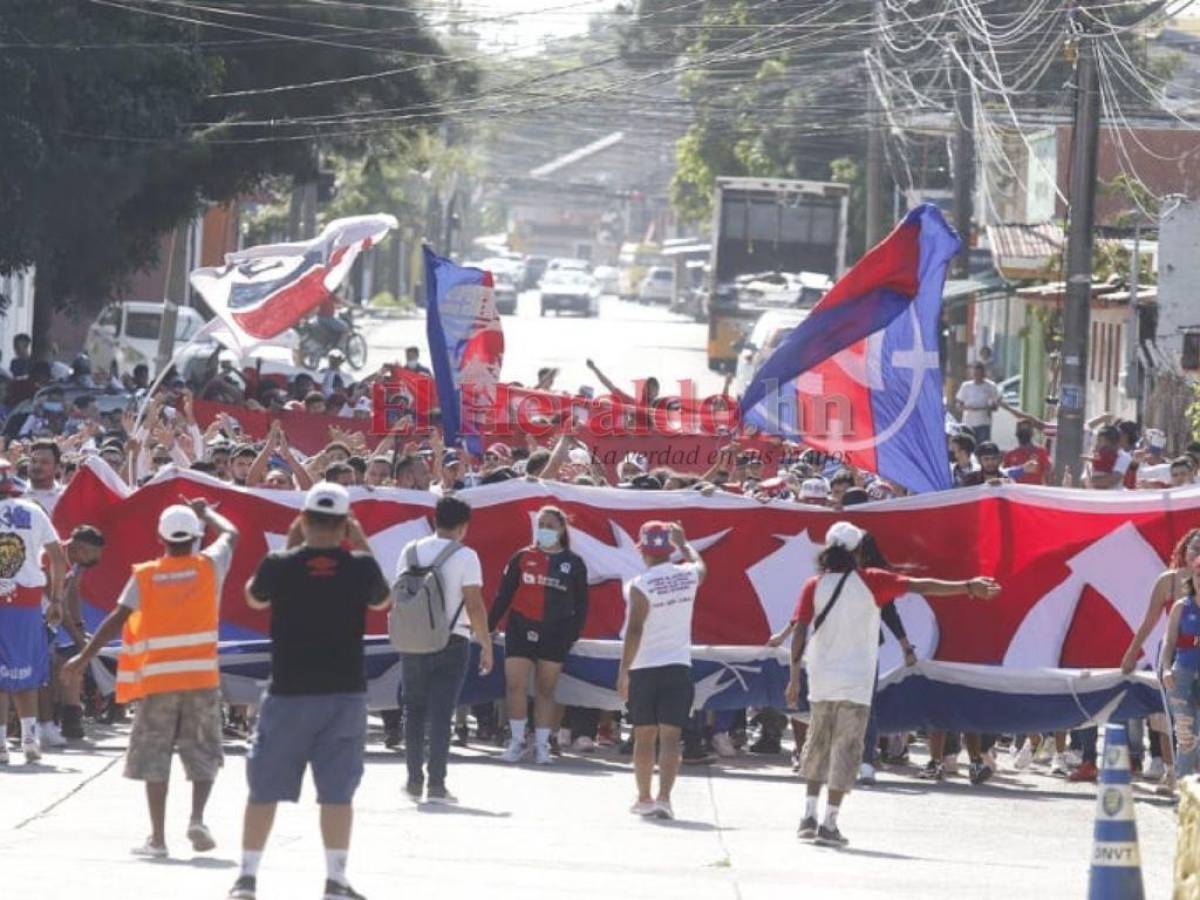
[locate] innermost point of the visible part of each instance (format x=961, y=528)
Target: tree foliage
x=119, y=121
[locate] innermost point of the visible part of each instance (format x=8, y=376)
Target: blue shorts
x=24, y=656
x=325, y=731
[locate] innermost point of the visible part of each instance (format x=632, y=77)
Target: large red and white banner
x=1075, y=567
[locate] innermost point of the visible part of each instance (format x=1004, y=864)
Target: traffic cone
x=1116, y=862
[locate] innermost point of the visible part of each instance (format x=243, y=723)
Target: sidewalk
x=66, y=828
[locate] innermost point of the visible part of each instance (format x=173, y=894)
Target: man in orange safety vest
x=167, y=617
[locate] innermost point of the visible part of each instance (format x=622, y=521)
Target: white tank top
x=667, y=634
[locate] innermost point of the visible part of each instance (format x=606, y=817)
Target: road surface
x=66, y=828
x=627, y=341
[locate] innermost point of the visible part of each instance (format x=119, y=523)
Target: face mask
x=547, y=537
x=52, y=406
x=411, y=364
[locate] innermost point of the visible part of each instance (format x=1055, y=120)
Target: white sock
x=250, y=861
x=335, y=865
x=28, y=732
x=542, y=736
x=831, y=813
x=810, y=807
x=517, y=726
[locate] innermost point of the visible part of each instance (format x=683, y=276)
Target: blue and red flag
x=263, y=291
x=860, y=376
x=466, y=346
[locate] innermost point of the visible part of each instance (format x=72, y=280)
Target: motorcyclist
x=331, y=329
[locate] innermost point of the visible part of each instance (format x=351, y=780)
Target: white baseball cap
x=814, y=489
x=843, y=534
x=327, y=497
x=580, y=457
x=178, y=523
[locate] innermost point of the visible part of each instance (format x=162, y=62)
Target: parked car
x=658, y=286
x=571, y=290
x=607, y=280
x=127, y=334
x=505, y=292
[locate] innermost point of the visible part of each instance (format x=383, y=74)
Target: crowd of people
x=541, y=606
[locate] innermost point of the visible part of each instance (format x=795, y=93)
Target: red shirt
x=328, y=308
x=884, y=586
x=1018, y=456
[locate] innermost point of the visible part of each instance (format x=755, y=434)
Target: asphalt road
x=66, y=828
x=627, y=341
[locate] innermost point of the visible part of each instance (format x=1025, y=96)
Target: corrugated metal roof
x=1021, y=248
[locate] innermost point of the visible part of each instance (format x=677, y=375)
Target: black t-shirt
x=319, y=601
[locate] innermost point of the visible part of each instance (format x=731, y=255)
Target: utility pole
x=964, y=208
x=876, y=175
x=1068, y=446
x=1133, y=381
x=174, y=290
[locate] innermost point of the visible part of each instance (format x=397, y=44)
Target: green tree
x=120, y=122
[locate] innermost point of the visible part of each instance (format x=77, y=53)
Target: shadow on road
x=196, y=862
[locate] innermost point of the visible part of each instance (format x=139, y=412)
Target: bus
x=773, y=239
x=633, y=264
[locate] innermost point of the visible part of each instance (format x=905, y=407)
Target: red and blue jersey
x=543, y=587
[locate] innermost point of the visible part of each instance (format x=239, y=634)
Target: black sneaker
x=933, y=771
x=696, y=755
x=437, y=793
x=460, y=736
x=808, y=829
x=392, y=739
x=414, y=789
x=831, y=837
x=335, y=890
x=766, y=745
x=980, y=772
x=243, y=889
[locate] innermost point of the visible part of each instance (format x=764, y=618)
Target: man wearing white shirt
x=431, y=682
x=977, y=400
x=334, y=372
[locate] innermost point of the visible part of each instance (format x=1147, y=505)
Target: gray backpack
x=417, y=622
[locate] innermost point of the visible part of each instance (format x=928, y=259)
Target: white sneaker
x=1154, y=770
x=644, y=808
x=564, y=737
x=32, y=753
x=1073, y=757
x=49, y=737
x=515, y=753
x=541, y=755
x=150, y=851
x=663, y=810
x=1061, y=765
x=722, y=744
x=1024, y=756
x=583, y=744
x=866, y=774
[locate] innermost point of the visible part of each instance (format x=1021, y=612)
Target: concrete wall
x=1178, y=275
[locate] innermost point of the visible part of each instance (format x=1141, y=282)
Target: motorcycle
x=315, y=345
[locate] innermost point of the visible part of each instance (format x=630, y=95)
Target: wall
x=1178, y=276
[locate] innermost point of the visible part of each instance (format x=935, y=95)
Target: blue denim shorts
x=325, y=731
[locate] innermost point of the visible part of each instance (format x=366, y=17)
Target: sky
x=532, y=21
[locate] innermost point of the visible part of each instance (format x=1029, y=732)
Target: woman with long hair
x=544, y=592
x=1179, y=669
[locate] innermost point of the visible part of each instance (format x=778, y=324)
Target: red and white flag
x=263, y=291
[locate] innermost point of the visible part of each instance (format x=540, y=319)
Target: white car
x=768, y=333
x=127, y=334
x=658, y=286
x=607, y=280
x=570, y=290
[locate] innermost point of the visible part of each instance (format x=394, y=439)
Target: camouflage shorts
x=833, y=747
x=187, y=721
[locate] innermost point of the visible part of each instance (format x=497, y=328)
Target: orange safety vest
x=170, y=642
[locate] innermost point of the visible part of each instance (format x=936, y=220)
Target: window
x=142, y=325
x=764, y=221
